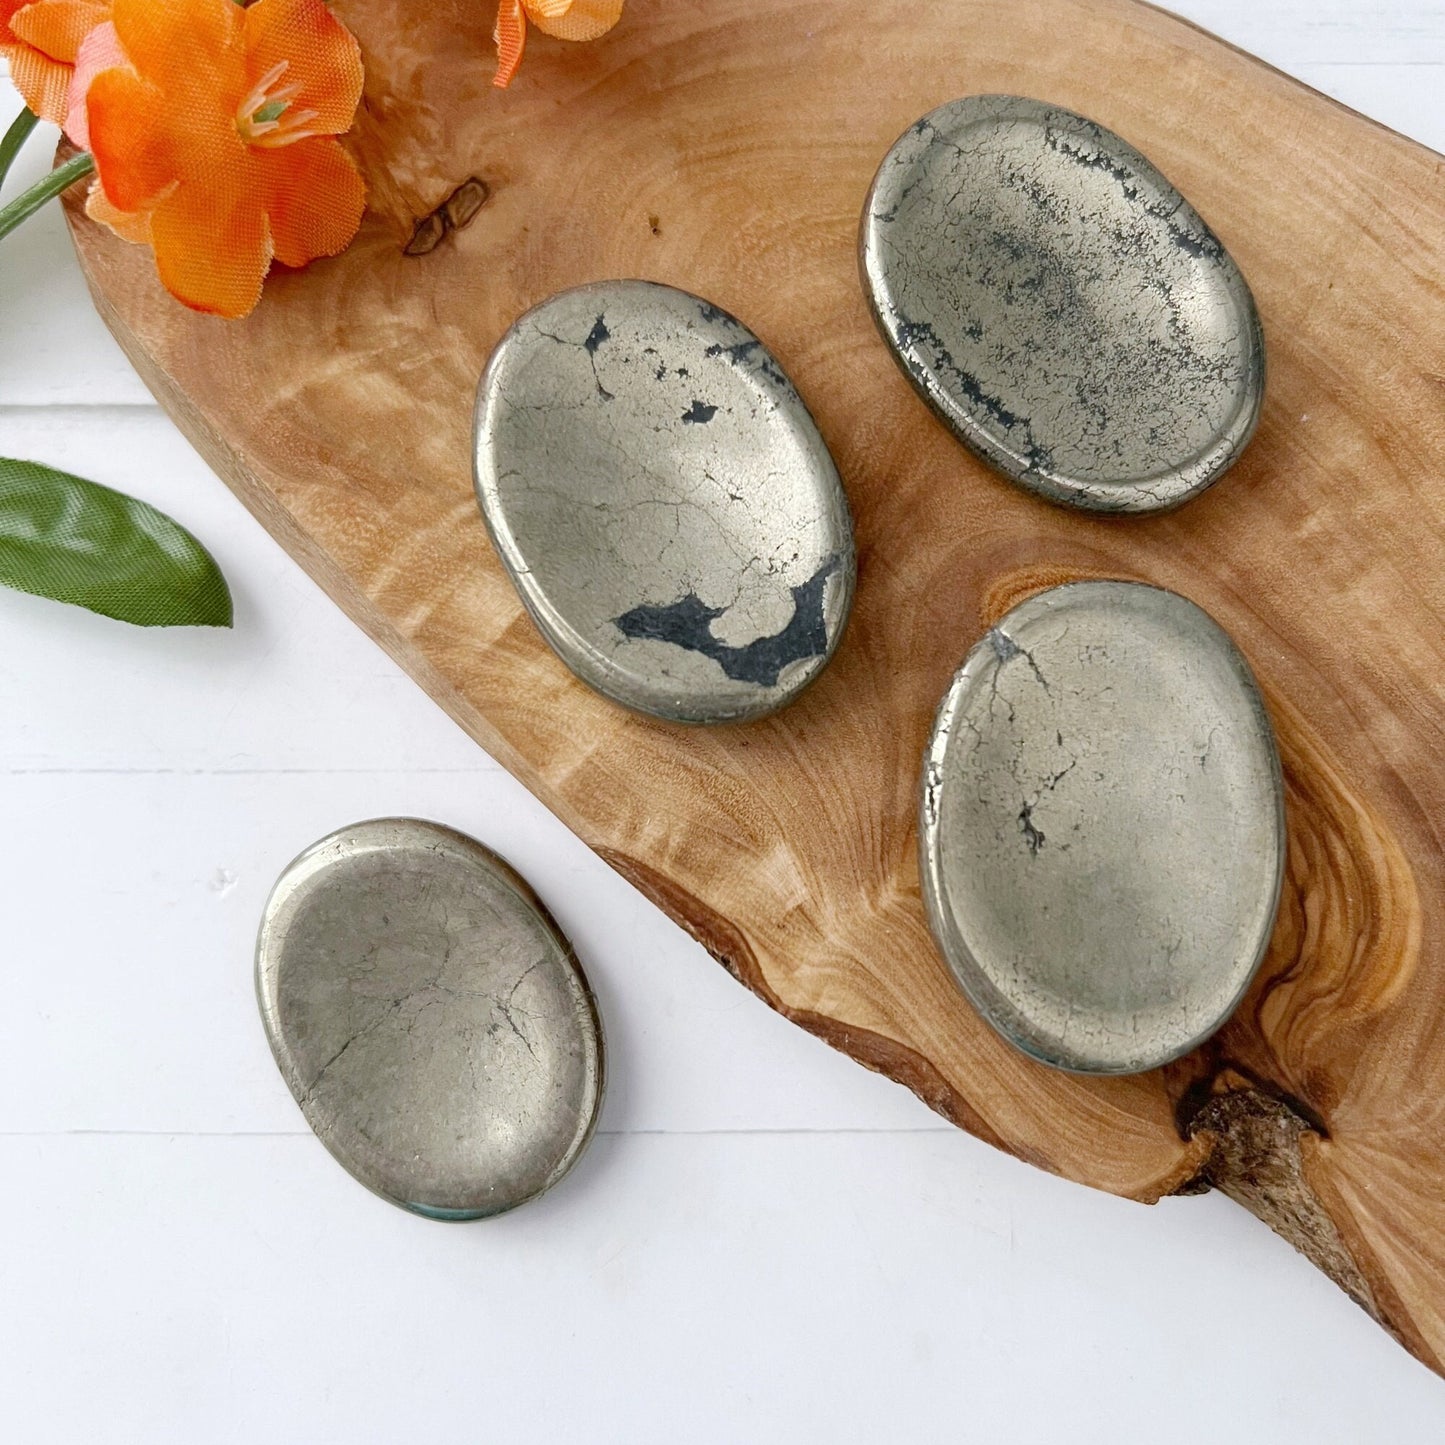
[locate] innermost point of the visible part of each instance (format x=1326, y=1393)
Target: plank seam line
x=601, y=1133
x=378, y=772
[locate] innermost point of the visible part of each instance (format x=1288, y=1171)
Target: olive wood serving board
x=725, y=146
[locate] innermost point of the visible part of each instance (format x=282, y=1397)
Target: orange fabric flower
x=40, y=39
x=212, y=129
x=564, y=19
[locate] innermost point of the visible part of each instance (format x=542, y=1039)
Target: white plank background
x=765, y=1243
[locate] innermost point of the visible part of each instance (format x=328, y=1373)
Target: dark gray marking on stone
x=1007, y=649
x=590, y=345
x=908, y=333
x=1032, y=836
x=597, y=336
x=687, y=623
x=743, y=353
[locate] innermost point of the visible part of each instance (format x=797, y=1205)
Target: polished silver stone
x=1061, y=306
x=663, y=502
x=1102, y=827
x=430, y=1018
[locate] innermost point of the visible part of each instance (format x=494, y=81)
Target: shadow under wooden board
x=725, y=146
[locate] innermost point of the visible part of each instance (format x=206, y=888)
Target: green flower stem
x=14, y=138
x=28, y=202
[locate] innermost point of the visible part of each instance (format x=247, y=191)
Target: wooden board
x=725, y=146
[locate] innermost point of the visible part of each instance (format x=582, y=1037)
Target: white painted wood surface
x=765, y=1244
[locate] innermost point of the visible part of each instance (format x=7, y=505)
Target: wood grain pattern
x=725, y=146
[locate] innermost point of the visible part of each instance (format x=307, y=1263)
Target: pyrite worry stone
x=663, y=502
x=430, y=1018
x=1102, y=827
x=1061, y=306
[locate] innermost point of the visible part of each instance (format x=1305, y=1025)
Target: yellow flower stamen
x=264, y=117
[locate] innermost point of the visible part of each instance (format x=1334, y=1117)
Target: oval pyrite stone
x=430, y=1018
x=1102, y=827
x=1061, y=306
x=663, y=502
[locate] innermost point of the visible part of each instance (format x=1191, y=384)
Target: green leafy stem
x=78, y=542
x=60, y=179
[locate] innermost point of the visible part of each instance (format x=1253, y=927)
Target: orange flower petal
x=8, y=10
x=314, y=200
x=574, y=19
x=189, y=49
x=42, y=82
x=210, y=255
x=130, y=137
x=322, y=57
x=57, y=27
x=40, y=76
x=132, y=225
x=99, y=51
x=511, y=38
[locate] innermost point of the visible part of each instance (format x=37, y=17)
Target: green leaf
x=78, y=542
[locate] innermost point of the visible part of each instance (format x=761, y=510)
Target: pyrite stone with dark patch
x=430, y=1018
x=1061, y=306
x=1102, y=827
x=663, y=502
